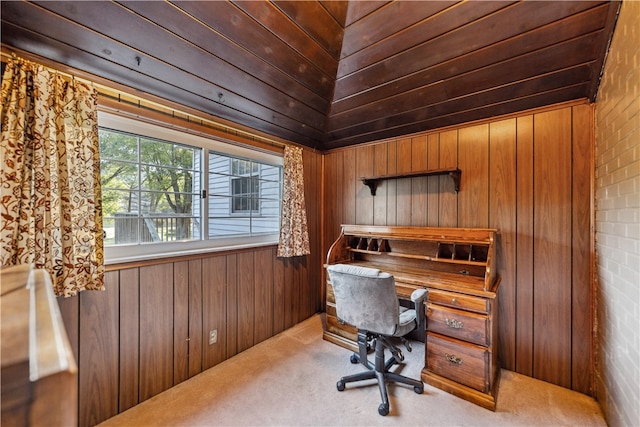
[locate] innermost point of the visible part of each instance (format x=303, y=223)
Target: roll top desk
x=457, y=266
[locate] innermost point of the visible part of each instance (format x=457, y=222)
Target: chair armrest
x=418, y=297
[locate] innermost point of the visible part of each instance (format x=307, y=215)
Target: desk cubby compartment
x=479, y=253
x=353, y=242
x=362, y=243
x=461, y=252
x=445, y=250
x=369, y=244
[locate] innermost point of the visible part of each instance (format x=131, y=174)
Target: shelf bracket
x=455, y=175
x=372, y=183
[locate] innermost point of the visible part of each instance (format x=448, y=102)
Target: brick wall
x=617, y=194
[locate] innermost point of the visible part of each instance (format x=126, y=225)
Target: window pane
x=109, y=228
x=219, y=207
x=269, y=172
x=240, y=204
x=156, y=228
x=125, y=228
x=244, y=196
x=269, y=207
x=116, y=174
x=153, y=196
x=269, y=189
x=156, y=152
x=118, y=145
x=219, y=164
x=119, y=201
x=156, y=178
x=265, y=224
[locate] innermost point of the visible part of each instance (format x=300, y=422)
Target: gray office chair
x=366, y=299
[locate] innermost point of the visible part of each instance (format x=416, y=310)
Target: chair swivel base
x=380, y=372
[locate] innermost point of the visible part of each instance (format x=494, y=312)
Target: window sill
x=114, y=261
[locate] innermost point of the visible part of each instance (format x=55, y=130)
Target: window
x=244, y=196
x=244, y=189
x=148, y=189
x=165, y=191
x=244, y=192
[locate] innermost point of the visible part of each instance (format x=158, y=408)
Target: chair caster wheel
x=419, y=389
x=383, y=409
x=340, y=385
x=354, y=359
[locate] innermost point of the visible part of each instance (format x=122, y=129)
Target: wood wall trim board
x=583, y=304
x=232, y=306
x=99, y=326
x=156, y=329
x=503, y=215
x=180, y=321
x=263, y=296
x=129, y=335
x=246, y=300
x=214, y=301
x=524, y=246
x=195, y=316
x=552, y=246
x=279, y=292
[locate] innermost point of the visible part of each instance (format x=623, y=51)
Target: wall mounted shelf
x=372, y=182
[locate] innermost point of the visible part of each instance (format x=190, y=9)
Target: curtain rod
x=146, y=104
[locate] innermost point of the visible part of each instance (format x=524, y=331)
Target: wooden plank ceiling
x=327, y=74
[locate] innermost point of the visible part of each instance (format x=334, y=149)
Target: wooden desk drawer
x=464, y=325
x=456, y=300
x=461, y=362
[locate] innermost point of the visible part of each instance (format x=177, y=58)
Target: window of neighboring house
x=244, y=186
x=166, y=192
x=245, y=195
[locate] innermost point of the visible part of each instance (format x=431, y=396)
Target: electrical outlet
x=213, y=336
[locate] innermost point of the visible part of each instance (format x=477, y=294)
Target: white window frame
x=137, y=252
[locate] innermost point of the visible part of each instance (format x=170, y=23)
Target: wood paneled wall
x=530, y=176
x=149, y=330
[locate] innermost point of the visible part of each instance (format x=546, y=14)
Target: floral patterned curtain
x=50, y=202
x=294, y=237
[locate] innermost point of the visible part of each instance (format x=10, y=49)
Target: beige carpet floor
x=289, y=380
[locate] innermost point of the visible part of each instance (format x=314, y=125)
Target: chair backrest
x=365, y=298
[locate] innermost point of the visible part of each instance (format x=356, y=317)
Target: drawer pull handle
x=454, y=301
x=453, y=359
x=454, y=324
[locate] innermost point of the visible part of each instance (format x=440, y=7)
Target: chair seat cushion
x=407, y=322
